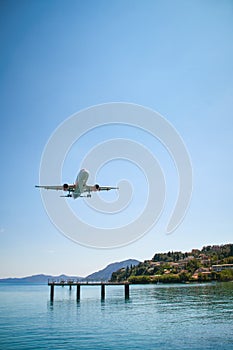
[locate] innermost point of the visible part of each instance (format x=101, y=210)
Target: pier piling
x=51, y=292
x=127, y=291
x=102, y=291
x=78, y=292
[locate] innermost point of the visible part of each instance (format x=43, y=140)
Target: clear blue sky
x=58, y=57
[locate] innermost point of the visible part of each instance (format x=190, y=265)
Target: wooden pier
x=78, y=285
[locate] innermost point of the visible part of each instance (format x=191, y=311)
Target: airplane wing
x=65, y=187
x=107, y=188
x=96, y=188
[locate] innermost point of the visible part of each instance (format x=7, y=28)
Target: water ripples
x=155, y=317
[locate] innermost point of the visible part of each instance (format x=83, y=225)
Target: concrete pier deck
x=78, y=285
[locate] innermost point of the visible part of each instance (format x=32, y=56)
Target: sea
x=173, y=316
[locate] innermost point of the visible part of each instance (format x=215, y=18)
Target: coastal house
x=219, y=268
x=202, y=271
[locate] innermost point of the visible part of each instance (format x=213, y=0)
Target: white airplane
x=79, y=187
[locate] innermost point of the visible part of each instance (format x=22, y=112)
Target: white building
x=219, y=268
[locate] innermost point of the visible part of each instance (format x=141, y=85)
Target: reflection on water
x=198, y=316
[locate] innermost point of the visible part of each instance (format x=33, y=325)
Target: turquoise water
x=155, y=317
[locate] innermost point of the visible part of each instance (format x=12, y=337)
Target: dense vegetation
x=173, y=267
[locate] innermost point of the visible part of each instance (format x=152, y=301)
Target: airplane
x=79, y=187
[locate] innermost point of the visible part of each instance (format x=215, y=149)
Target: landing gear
x=67, y=196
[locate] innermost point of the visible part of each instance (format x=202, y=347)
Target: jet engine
x=97, y=187
x=65, y=187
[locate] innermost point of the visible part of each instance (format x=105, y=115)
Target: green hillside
x=172, y=267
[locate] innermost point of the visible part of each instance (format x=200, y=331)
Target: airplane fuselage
x=80, y=183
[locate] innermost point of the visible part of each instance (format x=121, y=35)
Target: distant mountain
x=43, y=279
x=102, y=275
x=106, y=273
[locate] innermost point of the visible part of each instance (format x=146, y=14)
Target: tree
x=193, y=265
x=226, y=275
x=139, y=279
x=184, y=276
